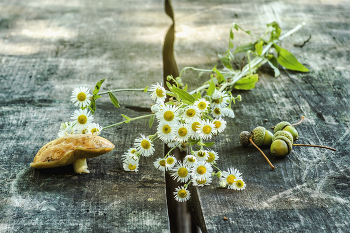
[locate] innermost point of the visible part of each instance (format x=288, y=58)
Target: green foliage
x=247, y=83
x=151, y=120
x=98, y=86
x=276, y=32
x=186, y=97
x=211, y=88
x=259, y=47
x=226, y=61
x=146, y=89
x=92, y=106
x=126, y=118
x=208, y=144
x=114, y=99
x=272, y=60
x=245, y=48
x=288, y=60
x=219, y=76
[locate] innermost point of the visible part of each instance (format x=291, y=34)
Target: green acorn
x=282, y=143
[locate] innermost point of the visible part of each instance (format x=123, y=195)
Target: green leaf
x=211, y=88
x=183, y=95
x=208, y=144
x=126, y=118
x=169, y=85
x=219, y=76
x=98, y=86
x=236, y=27
x=259, y=47
x=245, y=48
x=146, y=89
x=275, y=69
x=225, y=61
x=273, y=60
x=193, y=142
x=151, y=120
x=113, y=99
x=247, y=82
x=286, y=59
x=276, y=32
x=92, y=106
x=231, y=35
x=230, y=45
x=186, y=87
x=95, y=97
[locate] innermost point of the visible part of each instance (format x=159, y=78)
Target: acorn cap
x=289, y=143
x=244, y=138
x=68, y=149
x=258, y=135
x=280, y=126
x=283, y=133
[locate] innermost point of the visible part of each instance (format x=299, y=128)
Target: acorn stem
x=251, y=141
x=325, y=147
x=302, y=118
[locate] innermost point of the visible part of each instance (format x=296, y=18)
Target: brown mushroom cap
x=68, y=149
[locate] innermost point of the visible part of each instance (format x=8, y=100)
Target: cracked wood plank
x=309, y=190
x=46, y=49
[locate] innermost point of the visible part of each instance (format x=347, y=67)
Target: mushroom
x=71, y=149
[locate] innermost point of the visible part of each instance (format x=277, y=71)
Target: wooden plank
x=309, y=189
x=46, y=49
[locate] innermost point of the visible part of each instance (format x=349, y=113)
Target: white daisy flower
x=220, y=99
x=228, y=112
x=201, y=155
x=158, y=92
x=159, y=106
x=217, y=112
x=130, y=154
x=201, y=182
x=84, y=130
x=81, y=97
x=166, y=131
x=182, y=133
x=181, y=172
x=239, y=184
x=168, y=114
x=213, y=157
x=144, y=146
x=206, y=129
x=202, y=170
x=194, y=126
x=231, y=176
x=66, y=128
x=160, y=164
x=182, y=194
x=170, y=162
x=82, y=118
x=191, y=113
x=201, y=104
x=94, y=129
x=220, y=125
x=190, y=160
x=131, y=165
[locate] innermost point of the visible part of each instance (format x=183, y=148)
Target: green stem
x=186, y=185
x=216, y=167
x=119, y=90
x=169, y=152
x=127, y=121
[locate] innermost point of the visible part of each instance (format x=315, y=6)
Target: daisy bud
x=223, y=184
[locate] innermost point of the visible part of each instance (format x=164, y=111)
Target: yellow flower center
x=133, y=151
x=217, y=111
x=82, y=119
x=162, y=162
x=84, y=131
x=201, y=181
x=211, y=157
x=190, y=112
x=191, y=159
x=159, y=92
x=145, y=144
x=217, y=124
x=202, y=105
x=182, y=131
x=230, y=179
x=170, y=160
x=195, y=125
x=217, y=101
x=81, y=96
x=201, y=154
x=201, y=170
x=166, y=129
x=207, y=129
x=132, y=166
x=183, y=172
x=239, y=183
x=169, y=116
x=94, y=131
x=182, y=193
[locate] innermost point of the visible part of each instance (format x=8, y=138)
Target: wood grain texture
x=46, y=49
x=309, y=189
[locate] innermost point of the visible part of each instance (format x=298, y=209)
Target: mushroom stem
x=302, y=118
x=325, y=147
x=251, y=141
x=80, y=166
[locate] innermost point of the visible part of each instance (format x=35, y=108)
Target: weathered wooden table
x=49, y=47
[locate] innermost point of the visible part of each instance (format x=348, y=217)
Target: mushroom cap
x=68, y=149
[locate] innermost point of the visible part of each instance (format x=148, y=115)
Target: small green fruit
x=283, y=133
x=244, y=138
x=293, y=131
x=268, y=138
x=279, y=148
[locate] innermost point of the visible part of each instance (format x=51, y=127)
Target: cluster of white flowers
x=182, y=124
x=82, y=119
